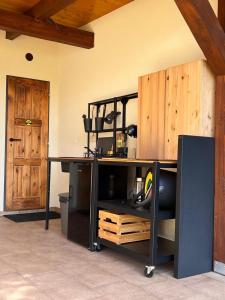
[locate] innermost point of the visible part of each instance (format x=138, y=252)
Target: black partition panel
x=194, y=206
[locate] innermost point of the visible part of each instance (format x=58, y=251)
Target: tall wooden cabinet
x=179, y=100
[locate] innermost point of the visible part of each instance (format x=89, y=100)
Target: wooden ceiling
x=82, y=12
x=19, y=6
x=55, y=20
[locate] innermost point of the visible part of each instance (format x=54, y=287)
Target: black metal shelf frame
x=154, y=251
x=122, y=206
x=123, y=99
x=141, y=250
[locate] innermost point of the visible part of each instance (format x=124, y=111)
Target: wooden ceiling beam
x=43, y=10
x=27, y=25
x=207, y=31
x=221, y=13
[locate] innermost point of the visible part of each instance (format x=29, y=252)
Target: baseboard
x=219, y=267
x=55, y=208
x=3, y=213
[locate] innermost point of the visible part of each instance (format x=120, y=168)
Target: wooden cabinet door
x=26, y=143
x=182, y=111
x=189, y=105
x=151, y=116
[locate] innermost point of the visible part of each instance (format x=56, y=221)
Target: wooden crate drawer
x=122, y=228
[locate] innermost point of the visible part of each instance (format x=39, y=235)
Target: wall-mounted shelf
x=115, y=100
x=109, y=130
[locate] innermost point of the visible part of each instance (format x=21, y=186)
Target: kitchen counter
x=106, y=159
x=65, y=162
x=70, y=159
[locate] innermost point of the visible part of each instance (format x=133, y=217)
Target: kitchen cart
x=152, y=252
x=192, y=249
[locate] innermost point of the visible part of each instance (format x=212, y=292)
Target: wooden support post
x=219, y=244
x=209, y=33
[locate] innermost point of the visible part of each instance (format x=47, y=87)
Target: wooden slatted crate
x=122, y=228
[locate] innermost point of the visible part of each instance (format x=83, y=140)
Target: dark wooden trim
x=219, y=232
x=207, y=31
x=43, y=10
x=221, y=13
x=27, y=25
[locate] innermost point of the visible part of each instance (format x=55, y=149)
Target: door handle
x=14, y=140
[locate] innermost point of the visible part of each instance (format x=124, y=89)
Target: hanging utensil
x=99, y=121
x=87, y=123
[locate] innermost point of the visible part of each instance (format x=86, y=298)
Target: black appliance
x=167, y=192
x=79, y=203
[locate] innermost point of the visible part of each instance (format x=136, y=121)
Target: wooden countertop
x=71, y=159
x=109, y=160
x=129, y=160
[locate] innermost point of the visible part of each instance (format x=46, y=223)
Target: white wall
x=43, y=67
x=139, y=38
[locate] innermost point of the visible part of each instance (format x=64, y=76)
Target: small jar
x=139, y=186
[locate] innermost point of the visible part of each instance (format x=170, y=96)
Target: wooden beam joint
x=27, y=25
x=207, y=31
x=43, y=10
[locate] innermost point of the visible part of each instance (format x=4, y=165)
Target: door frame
x=6, y=122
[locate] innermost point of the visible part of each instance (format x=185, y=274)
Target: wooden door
x=151, y=116
x=26, y=143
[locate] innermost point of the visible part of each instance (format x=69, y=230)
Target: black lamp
x=132, y=130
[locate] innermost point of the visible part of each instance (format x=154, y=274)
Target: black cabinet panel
x=79, y=203
x=194, y=206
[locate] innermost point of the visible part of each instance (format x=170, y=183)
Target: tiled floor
x=43, y=265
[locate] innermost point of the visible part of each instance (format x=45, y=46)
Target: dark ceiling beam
x=221, y=13
x=43, y=10
x=27, y=25
x=207, y=31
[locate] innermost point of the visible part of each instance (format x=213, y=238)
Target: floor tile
x=36, y=264
x=119, y=289
x=97, y=278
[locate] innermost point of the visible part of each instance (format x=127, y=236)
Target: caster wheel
x=99, y=248
x=96, y=247
x=149, y=272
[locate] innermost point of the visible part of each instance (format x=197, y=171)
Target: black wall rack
x=124, y=100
